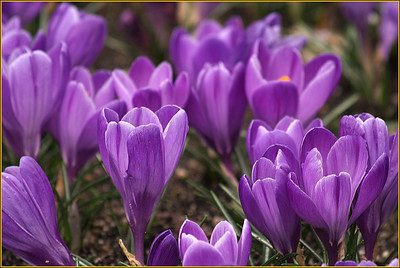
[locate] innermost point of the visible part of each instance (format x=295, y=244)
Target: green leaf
x=81, y=261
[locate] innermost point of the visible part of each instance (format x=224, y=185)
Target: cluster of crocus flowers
x=29, y=216
x=223, y=248
x=140, y=152
x=146, y=85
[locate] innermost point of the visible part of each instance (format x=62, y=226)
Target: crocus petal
x=181, y=47
x=350, y=125
x=161, y=73
x=321, y=76
x=244, y=245
x=164, y=250
x=254, y=78
x=219, y=231
x=304, y=206
x=377, y=138
x=370, y=187
x=312, y=171
x=319, y=138
x=192, y=228
x=140, y=71
x=294, y=128
x=174, y=135
x=332, y=197
x=201, y=253
x=141, y=116
x=147, y=98
x=225, y=242
x=349, y=154
x=282, y=156
x=263, y=168
x=274, y=100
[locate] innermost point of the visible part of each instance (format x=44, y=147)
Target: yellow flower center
x=284, y=78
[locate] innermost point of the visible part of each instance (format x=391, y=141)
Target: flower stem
x=138, y=240
x=229, y=171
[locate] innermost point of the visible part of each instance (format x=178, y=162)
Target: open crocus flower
x=32, y=83
x=83, y=33
x=289, y=132
x=164, y=250
x=140, y=152
x=264, y=201
x=393, y=263
x=78, y=117
x=29, y=216
x=335, y=187
x=223, y=249
x=269, y=31
x=26, y=11
x=216, y=107
x=374, y=131
x=148, y=86
x=211, y=43
x=278, y=83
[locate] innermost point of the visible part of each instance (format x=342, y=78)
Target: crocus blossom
x=29, y=216
x=26, y=11
x=393, y=263
x=223, y=249
x=31, y=88
x=146, y=85
x=278, y=83
x=288, y=132
x=140, y=152
x=77, y=119
x=358, y=13
x=83, y=33
x=374, y=131
x=335, y=187
x=211, y=43
x=164, y=250
x=216, y=106
x=265, y=203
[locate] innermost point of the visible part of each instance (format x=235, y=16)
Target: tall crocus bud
x=335, y=186
x=388, y=28
x=164, y=250
x=223, y=249
x=83, y=33
x=140, y=152
x=374, y=131
x=77, y=120
x=31, y=88
x=216, y=107
x=269, y=31
x=265, y=203
x=211, y=43
x=26, y=11
x=289, y=132
x=146, y=85
x=29, y=216
x=14, y=37
x=279, y=84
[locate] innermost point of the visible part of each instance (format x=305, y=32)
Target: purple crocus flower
x=77, y=119
x=31, y=87
x=83, y=33
x=264, y=201
x=29, y=216
x=288, y=132
x=13, y=37
x=140, y=152
x=223, y=249
x=216, y=107
x=26, y=11
x=374, y=131
x=279, y=84
x=164, y=250
x=211, y=43
x=335, y=180
x=269, y=31
x=148, y=86
x=388, y=27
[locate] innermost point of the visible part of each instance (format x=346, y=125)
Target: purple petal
x=140, y=71
x=147, y=98
x=263, y=168
x=349, y=154
x=224, y=240
x=162, y=73
x=189, y=228
x=275, y=100
x=312, y=171
x=201, y=253
x=332, y=197
x=377, y=138
x=141, y=116
x=164, y=250
x=244, y=245
x=254, y=78
x=321, y=77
